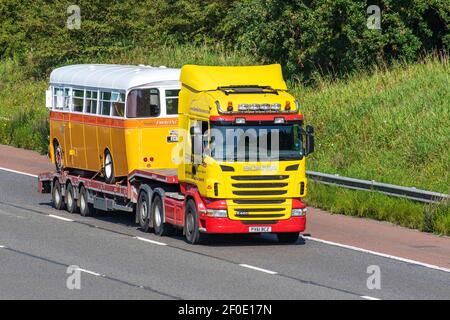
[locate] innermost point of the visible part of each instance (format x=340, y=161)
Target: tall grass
x=390, y=126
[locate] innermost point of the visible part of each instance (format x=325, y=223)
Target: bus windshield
x=259, y=142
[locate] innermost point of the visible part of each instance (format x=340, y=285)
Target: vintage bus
x=108, y=120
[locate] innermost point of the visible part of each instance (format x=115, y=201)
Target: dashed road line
x=2, y=247
x=60, y=218
x=151, y=241
x=375, y=253
x=89, y=272
x=369, y=298
x=257, y=268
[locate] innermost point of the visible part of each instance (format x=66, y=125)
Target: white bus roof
x=111, y=76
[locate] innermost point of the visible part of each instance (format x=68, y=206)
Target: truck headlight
x=298, y=212
x=217, y=213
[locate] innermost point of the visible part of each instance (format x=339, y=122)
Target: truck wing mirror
x=309, y=139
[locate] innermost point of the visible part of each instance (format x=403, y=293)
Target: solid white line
x=89, y=272
x=257, y=269
x=60, y=218
x=369, y=298
x=151, y=241
x=19, y=172
x=422, y=264
x=2, y=247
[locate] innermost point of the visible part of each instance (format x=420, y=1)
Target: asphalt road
x=36, y=249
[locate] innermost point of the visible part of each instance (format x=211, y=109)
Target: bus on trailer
x=205, y=150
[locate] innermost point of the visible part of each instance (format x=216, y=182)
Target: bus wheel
x=109, y=168
x=57, y=196
x=143, y=211
x=161, y=228
x=288, y=237
x=193, y=235
x=70, y=199
x=58, y=157
x=86, y=209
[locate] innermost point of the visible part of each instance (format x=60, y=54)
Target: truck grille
x=252, y=188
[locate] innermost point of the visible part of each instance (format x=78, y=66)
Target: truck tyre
x=71, y=203
x=57, y=152
x=193, y=235
x=288, y=237
x=86, y=208
x=143, y=211
x=161, y=229
x=58, y=199
x=108, y=168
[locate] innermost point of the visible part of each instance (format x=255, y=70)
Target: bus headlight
x=298, y=212
x=217, y=213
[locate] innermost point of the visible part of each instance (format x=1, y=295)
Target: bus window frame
x=160, y=90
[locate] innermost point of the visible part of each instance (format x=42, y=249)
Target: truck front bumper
x=226, y=225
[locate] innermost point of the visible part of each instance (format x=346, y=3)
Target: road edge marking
x=60, y=218
x=18, y=172
x=151, y=241
x=257, y=268
x=376, y=253
x=2, y=247
x=369, y=298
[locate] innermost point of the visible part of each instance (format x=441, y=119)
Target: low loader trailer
x=238, y=162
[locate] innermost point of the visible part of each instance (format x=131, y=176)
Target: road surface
x=117, y=260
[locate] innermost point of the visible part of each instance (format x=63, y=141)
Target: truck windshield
x=259, y=142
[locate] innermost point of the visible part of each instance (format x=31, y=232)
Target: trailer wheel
x=86, y=209
x=108, y=168
x=71, y=204
x=143, y=211
x=58, y=199
x=162, y=229
x=288, y=237
x=193, y=235
x=57, y=151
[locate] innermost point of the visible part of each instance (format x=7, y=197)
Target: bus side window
x=91, y=102
x=118, y=104
x=143, y=103
x=78, y=100
x=58, y=99
x=172, y=101
x=105, y=103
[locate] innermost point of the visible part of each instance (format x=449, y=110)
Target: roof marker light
x=278, y=120
x=230, y=106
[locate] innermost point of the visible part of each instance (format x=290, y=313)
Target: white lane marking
x=422, y=264
x=257, y=269
x=369, y=298
x=19, y=172
x=89, y=272
x=151, y=241
x=60, y=218
x=2, y=247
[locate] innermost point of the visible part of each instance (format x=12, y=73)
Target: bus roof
x=110, y=76
x=206, y=78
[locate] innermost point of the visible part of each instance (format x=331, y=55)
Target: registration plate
x=259, y=229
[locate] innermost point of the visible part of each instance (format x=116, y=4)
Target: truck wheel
x=108, y=168
x=162, y=229
x=288, y=237
x=71, y=203
x=57, y=151
x=193, y=235
x=143, y=211
x=86, y=209
x=57, y=196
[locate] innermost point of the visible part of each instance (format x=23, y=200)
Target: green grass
x=391, y=126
